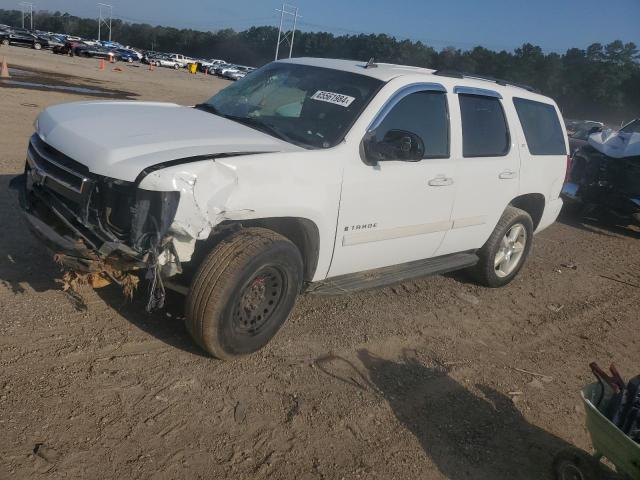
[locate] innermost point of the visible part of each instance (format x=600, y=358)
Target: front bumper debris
x=95, y=226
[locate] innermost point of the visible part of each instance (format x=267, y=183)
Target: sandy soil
x=422, y=380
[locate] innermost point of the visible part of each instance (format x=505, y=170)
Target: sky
x=554, y=25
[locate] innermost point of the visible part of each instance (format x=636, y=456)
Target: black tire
x=485, y=271
x=37, y=46
x=573, y=464
x=243, y=292
x=176, y=66
x=5, y=42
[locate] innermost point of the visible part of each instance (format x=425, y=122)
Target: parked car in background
x=53, y=41
x=111, y=44
x=125, y=55
x=164, y=61
x=579, y=137
x=24, y=38
x=68, y=48
x=206, y=65
x=218, y=69
x=575, y=125
x=180, y=60
x=238, y=73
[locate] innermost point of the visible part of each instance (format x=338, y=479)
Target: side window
x=484, y=127
x=541, y=127
x=424, y=114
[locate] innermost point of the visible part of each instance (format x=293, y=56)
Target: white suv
x=180, y=61
x=316, y=175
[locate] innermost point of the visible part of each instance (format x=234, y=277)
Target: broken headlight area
x=98, y=227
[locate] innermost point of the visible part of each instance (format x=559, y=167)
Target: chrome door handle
x=507, y=175
x=441, y=182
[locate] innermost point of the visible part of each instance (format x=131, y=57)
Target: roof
x=387, y=71
x=383, y=71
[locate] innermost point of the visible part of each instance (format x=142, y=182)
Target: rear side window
x=541, y=127
x=484, y=127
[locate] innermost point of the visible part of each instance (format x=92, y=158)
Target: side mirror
x=396, y=145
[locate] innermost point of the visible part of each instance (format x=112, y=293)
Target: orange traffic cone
x=4, y=72
x=101, y=65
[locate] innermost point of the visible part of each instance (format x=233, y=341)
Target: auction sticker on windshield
x=335, y=98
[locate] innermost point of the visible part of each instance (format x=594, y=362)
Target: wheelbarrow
x=608, y=442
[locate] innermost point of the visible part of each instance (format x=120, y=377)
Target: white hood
x=615, y=144
x=120, y=139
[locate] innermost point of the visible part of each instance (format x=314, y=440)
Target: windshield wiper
x=207, y=107
x=250, y=122
x=263, y=127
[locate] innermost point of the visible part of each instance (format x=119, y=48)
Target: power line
x=25, y=6
x=289, y=36
x=102, y=20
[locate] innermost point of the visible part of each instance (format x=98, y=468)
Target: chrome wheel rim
x=511, y=250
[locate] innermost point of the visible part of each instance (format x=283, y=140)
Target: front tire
x=37, y=46
x=504, y=254
x=5, y=42
x=243, y=292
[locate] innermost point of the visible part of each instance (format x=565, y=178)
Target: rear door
x=487, y=165
x=543, y=149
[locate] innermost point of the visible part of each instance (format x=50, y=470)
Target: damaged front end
x=96, y=225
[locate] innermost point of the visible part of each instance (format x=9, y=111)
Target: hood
x=120, y=139
x=616, y=144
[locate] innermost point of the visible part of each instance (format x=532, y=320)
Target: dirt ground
x=432, y=379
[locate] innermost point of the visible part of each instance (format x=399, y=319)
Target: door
x=488, y=169
x=397, y=211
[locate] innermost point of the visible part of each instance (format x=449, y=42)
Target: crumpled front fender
x=205, y=188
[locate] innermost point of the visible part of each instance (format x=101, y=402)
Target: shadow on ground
x=598, y=223
x=466, y=435
x=24, y=262
x=166, y=325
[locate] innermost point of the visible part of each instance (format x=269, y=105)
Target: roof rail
x=499, y=81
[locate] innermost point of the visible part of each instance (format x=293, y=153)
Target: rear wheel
x=176, y=66
x=503, y=255
x=243, y=292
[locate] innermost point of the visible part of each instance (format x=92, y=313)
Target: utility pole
x=27, y=11
x=102, y=20
x=292, y=16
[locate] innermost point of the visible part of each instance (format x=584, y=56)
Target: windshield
x=310, y=106
x=633, y=127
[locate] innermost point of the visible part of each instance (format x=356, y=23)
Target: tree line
x=600, y=82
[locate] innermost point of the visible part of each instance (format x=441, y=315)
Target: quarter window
x=484, y=127
x=424, y=114
x=541, y=127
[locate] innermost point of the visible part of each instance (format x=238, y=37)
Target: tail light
x=568, y=171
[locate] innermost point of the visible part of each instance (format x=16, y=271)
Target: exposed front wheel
x=243, y=292
x=503, y=255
